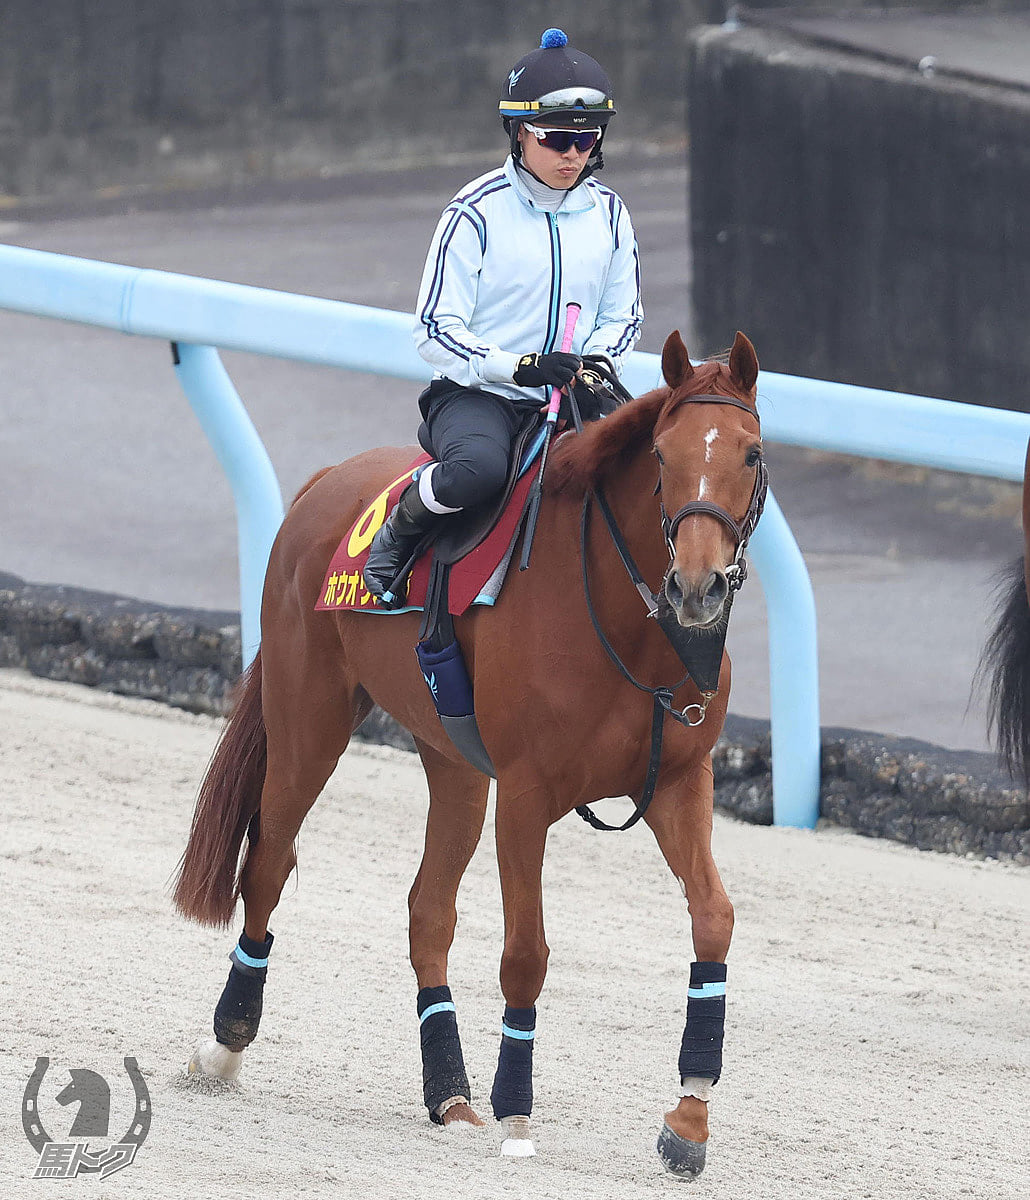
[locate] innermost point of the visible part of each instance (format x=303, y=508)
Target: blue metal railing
x=201, y=314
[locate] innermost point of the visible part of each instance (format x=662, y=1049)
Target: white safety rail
x=201, y=316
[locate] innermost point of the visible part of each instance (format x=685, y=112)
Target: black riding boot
x=395, y=543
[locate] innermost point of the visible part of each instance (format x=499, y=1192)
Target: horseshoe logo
x=36, y=1132
x=33, y=1126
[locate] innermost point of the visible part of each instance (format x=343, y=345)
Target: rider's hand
x=593, y=396
x=546, y=370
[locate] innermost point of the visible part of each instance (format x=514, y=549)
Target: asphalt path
x=108, y=482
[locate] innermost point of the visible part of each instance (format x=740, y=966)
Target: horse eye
x=754, y=456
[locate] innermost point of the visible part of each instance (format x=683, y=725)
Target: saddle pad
x=344, y=588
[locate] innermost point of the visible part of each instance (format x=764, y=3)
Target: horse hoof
x=213, y=1059
x=683, y=1158
x=462, y=1114
x=517, y=1142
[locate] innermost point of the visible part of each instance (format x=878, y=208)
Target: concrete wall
x=103, y=94
x=860, y=221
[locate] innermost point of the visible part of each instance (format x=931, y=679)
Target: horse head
x=707, y=440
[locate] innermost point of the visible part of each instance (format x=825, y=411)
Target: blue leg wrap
x=701, y=1051
x=512, y=1094
x=443, y=1067
x=238, y=1013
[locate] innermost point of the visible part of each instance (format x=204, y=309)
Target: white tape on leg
x=428, y=496
x=697, y=1085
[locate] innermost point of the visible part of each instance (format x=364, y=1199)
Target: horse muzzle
x=697, y=601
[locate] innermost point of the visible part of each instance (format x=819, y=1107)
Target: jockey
x=510, y=251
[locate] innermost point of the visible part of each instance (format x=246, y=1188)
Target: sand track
x=878, y=1042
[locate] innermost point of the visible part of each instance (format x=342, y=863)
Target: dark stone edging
x=897, y=788
x=958, y=801
x=182, y=657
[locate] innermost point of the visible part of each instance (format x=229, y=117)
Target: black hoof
x=685, y=1160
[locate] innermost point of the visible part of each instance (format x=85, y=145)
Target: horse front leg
x=521, y=831
x=681, y=819
x=457, y=808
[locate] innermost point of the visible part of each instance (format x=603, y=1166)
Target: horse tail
x=1005, y=671
x=208, y=883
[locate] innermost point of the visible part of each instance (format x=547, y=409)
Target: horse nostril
x=717, y=589
x=674, y=589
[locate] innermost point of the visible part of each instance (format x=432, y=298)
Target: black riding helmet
x=560, y=85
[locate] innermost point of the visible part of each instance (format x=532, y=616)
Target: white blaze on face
x=710, y=437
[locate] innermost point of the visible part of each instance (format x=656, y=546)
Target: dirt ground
x=877, y=1042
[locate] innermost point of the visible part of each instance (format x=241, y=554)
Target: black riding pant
x=470, y=433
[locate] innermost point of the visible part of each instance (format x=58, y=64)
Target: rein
x=658, y=607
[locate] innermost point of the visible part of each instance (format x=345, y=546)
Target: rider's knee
x=471, y=481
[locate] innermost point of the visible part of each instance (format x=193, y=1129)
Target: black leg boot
x=395, y=543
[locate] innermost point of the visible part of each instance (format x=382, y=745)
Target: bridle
x=659, y=607
x=736, y=571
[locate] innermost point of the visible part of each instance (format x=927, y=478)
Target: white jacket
x=500, y=272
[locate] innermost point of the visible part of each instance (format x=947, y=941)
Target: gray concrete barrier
x=179, y=93
x=167, y=94
x=862, y=217
x=896, y=788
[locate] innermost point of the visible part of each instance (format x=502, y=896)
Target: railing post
x=793, y=669
x=242, y=454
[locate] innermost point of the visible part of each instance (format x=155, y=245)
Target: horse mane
x=579, y=462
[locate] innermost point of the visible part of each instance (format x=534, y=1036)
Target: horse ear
x=675, y=360
x=743, y=362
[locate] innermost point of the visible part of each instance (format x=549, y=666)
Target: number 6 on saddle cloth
x=461, y=563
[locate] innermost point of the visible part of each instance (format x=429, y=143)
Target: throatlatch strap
x=701, y=1050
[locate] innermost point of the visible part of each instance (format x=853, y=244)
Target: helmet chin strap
x=594, y=163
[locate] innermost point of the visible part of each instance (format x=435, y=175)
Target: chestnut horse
x=1005, y=663
x=562, y=726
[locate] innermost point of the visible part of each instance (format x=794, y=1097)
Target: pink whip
x=572, y=311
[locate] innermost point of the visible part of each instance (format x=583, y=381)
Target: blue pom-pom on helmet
x=559, y=85
x=553, y=37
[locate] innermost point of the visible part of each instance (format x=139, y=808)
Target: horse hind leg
x=457, y=808
x=307, y=730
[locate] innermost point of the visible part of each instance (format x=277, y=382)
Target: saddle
x=459, y=536
x=476, y=545
x=460, y=563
